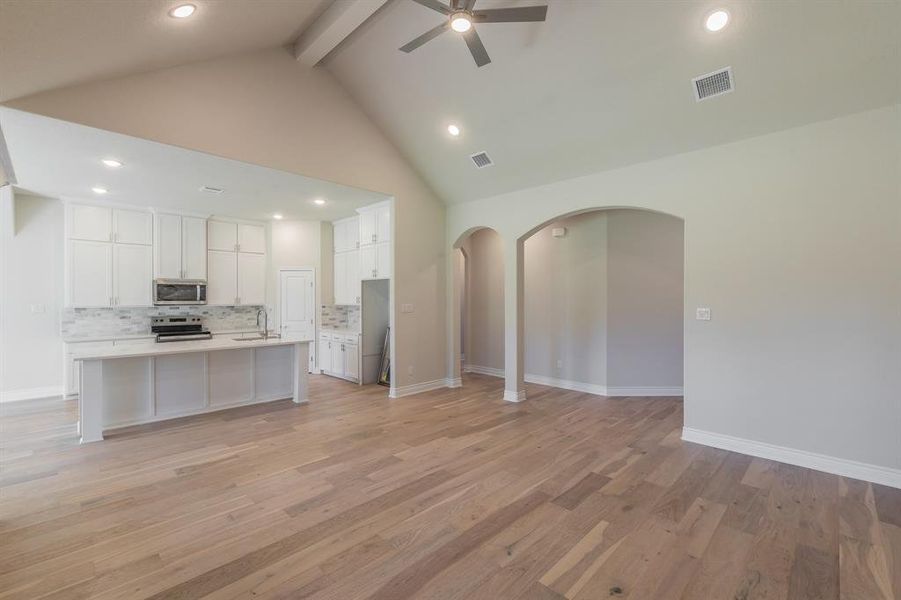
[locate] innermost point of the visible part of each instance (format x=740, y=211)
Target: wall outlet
x=406, y=308
x=38, y=308
x=410, y=370
x=559, y=364
x=702, y=313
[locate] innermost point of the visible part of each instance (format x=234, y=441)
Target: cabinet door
x=132, y=227
x=168, y=246
x=337, y=359
x=132, y=275
x=339, y=234
x=222, y=236
x=368, y=227
x=90, y=223
x=222, y=285
x=353, y=233
x=251, y=278
x=384, y=260
x=351, y=361
x=340, y=273
x=90, y=280
x=353, y=277
x=383, y=224
x=325, y=353
x=251, y=238
x=193, y=248
x=368, y=262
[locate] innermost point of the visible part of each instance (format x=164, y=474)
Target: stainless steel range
x=179, y=329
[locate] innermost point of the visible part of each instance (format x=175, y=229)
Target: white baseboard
x=514, y=396
x=453, y=382
x=578, y=386
x=417, y=388
x=801, y=458
x=31, y=393
x=480, y=370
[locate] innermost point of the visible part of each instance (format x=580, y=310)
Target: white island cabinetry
x=122, y=385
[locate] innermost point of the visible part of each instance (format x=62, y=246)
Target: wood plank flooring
x=451, y=495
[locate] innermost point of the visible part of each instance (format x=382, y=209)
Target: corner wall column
x=514, y=384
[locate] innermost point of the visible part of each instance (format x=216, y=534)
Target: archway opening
x=603, y=303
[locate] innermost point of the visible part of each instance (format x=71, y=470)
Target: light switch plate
x=406, y=308
x=702, y=313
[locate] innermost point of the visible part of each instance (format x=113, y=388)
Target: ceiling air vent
x=481, y=160
x=211, y=190
x=713, y=84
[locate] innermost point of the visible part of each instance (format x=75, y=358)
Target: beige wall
x=605, y=301
x=644, y=300
x=265, y=108
x=793, y=239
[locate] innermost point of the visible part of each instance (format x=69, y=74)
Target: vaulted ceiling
x=598, y=85
x=605, y=84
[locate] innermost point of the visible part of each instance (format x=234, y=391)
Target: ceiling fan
x=461, y=17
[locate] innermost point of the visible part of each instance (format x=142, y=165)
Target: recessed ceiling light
x=453, y=130
x=319, y=201
x=716, y=20
x=112, y=163
x=182, y=11
x=277, y=217
x=461, y=22
x=99, y=190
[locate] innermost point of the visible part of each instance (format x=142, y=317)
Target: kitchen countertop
x=142, y=336
x=160, y=349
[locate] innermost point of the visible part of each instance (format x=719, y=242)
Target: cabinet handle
x=374, y=237
x=110, y=236
x=110, y=300
x=358, y=244
x=373, y=272
x=116, y=300
x=238, y=247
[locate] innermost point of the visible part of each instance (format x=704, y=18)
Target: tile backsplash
x=110, y=322
x=340, y=317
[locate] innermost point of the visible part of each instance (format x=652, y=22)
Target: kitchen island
x=147, y=382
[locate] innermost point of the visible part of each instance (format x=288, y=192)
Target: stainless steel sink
x=256, y=338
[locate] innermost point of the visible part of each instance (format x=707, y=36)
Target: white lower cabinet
x=339, y=355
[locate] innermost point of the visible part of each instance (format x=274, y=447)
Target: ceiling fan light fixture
x=461, y=22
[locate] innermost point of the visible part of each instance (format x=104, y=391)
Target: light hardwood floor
x=452, y=494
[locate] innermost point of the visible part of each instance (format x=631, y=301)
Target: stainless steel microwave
x=179, y=291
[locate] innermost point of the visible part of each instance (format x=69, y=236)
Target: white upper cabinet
x=90, y=274
x=193, y=247
x=251, y=238
x=132, y=227
x=90, y=223
x=132, y=275
x=368, y=262
x=251, y=278
x=383, y=229
x=222, y=285
x=168, y=246
x=180, y=247
x=236, y=262
x=368, y=227
x=222, y=236
x=347, y=234
x=375, y=224
x=383, y=260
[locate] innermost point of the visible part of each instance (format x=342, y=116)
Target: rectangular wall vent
x=713, y=84
x=481, y=160
x=211, y=190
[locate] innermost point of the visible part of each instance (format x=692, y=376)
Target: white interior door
x=297, y=305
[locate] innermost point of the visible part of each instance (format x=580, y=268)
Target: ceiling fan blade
x=520, y=14
x=468, y=4
x=425, y=37
x=476, y=47
x=435, y=5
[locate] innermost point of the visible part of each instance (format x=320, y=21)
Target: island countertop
x=186, y=347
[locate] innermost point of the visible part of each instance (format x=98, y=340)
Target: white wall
x=793, y=240
x=605, y=301
x=265, y=108
x=31, y=358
